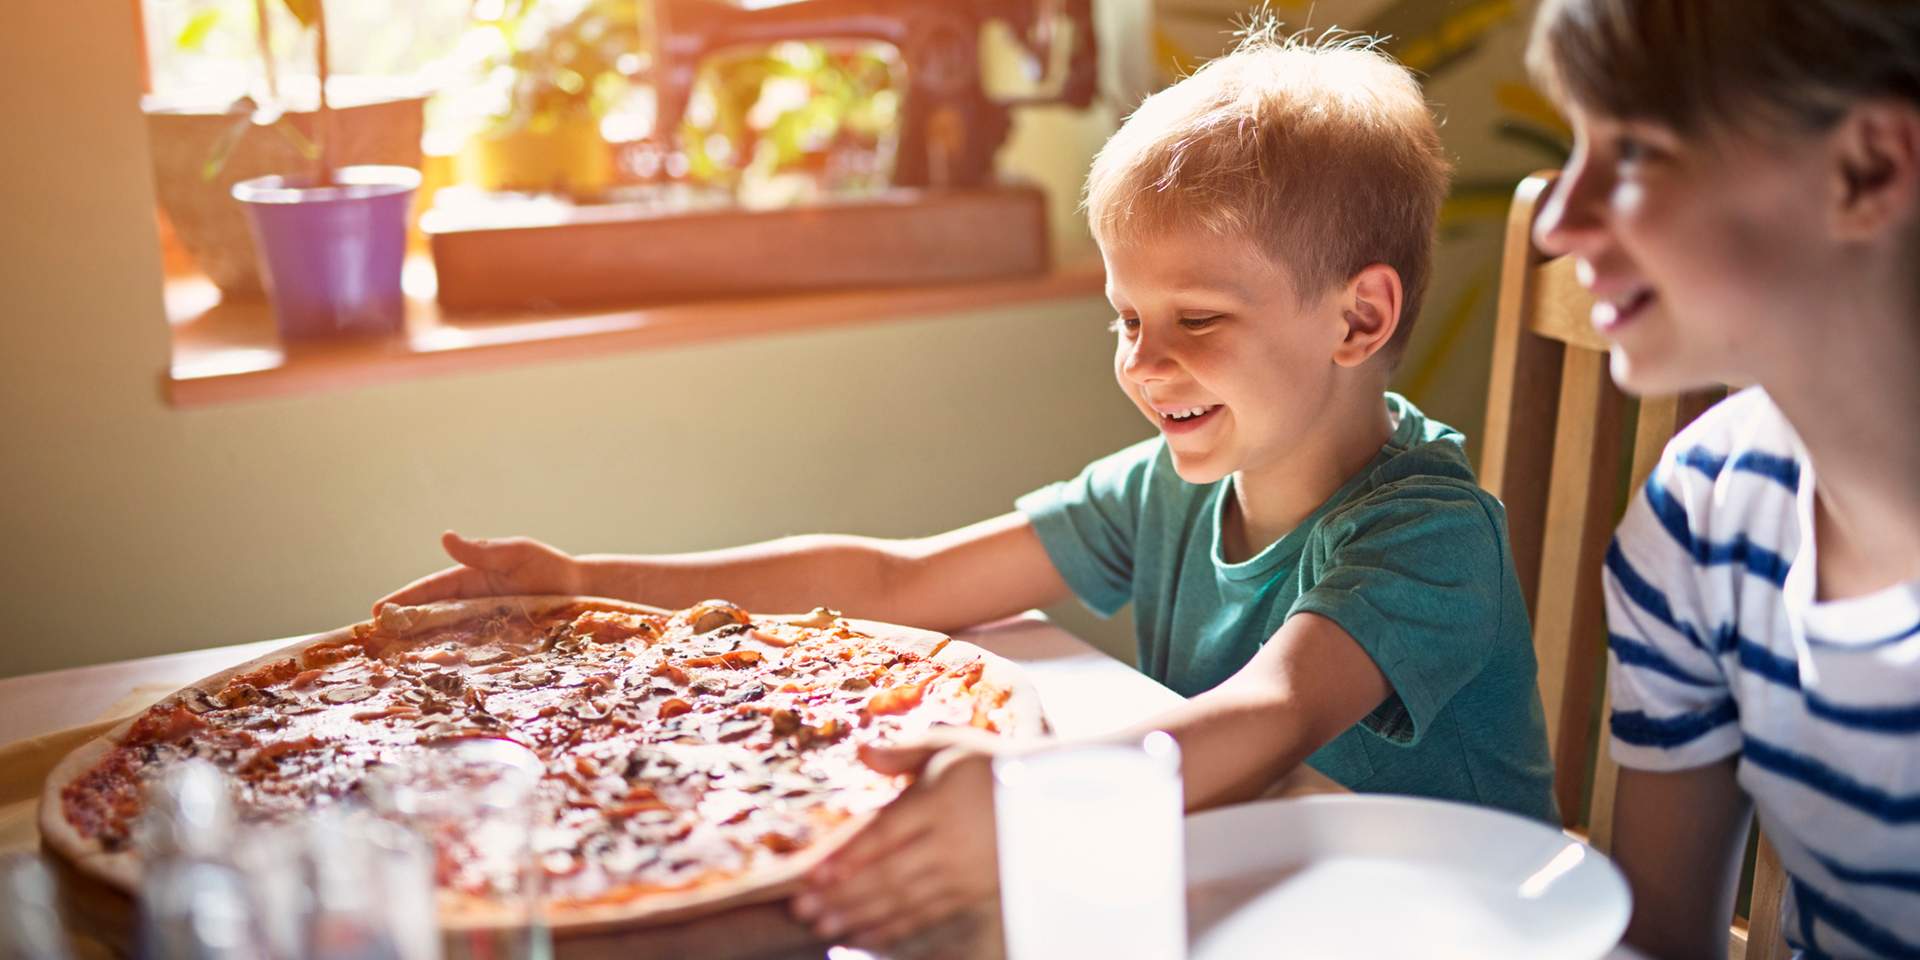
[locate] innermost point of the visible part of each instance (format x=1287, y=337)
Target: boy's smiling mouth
x=1613, y=312
x=1617, y=298
x=1183, y=419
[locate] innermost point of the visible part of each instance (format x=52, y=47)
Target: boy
x=1744, y=200
x=1309, y=557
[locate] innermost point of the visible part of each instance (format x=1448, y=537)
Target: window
x=556, y=176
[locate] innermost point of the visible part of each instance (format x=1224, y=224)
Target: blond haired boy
x=1308, y=556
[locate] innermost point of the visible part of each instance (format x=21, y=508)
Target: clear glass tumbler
x=475, y=803
x=1090, y=843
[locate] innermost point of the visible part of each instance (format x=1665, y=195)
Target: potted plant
x=558, y=69
x=205, y=139
x=331, y=239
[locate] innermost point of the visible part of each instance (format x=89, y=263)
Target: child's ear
x=1370, y=305
x=1877, y=169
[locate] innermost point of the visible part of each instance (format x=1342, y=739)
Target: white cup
x=1090, y=842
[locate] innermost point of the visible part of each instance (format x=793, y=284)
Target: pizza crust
x=778, y=881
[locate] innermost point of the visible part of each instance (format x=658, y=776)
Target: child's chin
x=1645, y=377
x=1198, y=473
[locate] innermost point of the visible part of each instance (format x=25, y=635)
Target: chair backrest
x=1555, y=443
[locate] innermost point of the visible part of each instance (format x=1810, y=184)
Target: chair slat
x=1569, y=631
x=1765, y=939
x=1562, y=308
x=1516, y=453
x=1660, y=418
x=1606, y=780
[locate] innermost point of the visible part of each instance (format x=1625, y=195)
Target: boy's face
x=1704, y=252
x=1214, y=348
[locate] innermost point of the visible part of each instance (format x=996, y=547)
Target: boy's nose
x=1145, y=360
x=1570, y=221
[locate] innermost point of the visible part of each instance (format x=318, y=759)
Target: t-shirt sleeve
x=1089, y=524
x=1415, y=572
x=1672, y=709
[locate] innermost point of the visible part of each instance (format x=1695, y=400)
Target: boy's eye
x=1628, y=149
x=1199, y=323
x=1123, y=324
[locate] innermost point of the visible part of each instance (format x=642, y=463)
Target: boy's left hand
x=924, y=857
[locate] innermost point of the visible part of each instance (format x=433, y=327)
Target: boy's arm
x=1679, y=837
x=1309, y=683
x=992, y=569
x=931, y=852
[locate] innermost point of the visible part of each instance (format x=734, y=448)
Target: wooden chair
x=1555, y=443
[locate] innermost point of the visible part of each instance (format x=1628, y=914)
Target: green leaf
x=305, y=11
x=223, y=147
x=193, y=36
x=308, y=149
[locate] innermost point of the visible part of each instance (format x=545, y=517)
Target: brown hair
x=1322, y=152
x=1690, y=64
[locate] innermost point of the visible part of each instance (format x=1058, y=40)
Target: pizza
x=693, y=760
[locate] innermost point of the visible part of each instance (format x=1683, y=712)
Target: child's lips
x=1185, y=420
x=1612, y=313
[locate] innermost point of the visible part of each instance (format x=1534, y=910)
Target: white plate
x=1366, y=876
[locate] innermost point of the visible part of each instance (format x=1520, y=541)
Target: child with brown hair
x=1744, y=201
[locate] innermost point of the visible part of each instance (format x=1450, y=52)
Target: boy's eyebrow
x=1228, y=288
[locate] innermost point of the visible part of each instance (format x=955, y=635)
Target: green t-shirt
x=1409, y=557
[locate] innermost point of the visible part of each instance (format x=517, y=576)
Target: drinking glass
x=342, y=884
x=195, y=902
x=473, y=802
x=30, y=926
x=1090, y=841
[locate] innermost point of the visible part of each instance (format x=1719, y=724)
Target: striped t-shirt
x=1719, y=648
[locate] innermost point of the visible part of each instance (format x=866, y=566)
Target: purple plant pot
x=332, y=254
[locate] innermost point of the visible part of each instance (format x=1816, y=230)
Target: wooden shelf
x=228, y=352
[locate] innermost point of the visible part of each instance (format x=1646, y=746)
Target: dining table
x=1084, y=693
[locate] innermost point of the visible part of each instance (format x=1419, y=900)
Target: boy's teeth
x=1186, y=414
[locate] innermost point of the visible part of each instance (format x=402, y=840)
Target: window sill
x=228, y=352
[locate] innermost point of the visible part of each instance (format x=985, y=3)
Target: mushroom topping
x=447, y=684
x=826, y=732
x=533, y=677
x=739, y=728
x=647, y=763
x=714, y=614
x=486, y=655
x=745, y=693
x=197, y=701
x=820, y=617
x=240, y=695
x=347, y=693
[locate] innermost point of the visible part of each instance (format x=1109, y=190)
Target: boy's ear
x=1370, y=305
x=1876, y=169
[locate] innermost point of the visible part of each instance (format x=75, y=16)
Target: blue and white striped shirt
x=1720, y=647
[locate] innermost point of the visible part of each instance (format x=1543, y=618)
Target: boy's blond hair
x=1322, y=152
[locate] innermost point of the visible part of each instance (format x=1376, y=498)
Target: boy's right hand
x=493, y=568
